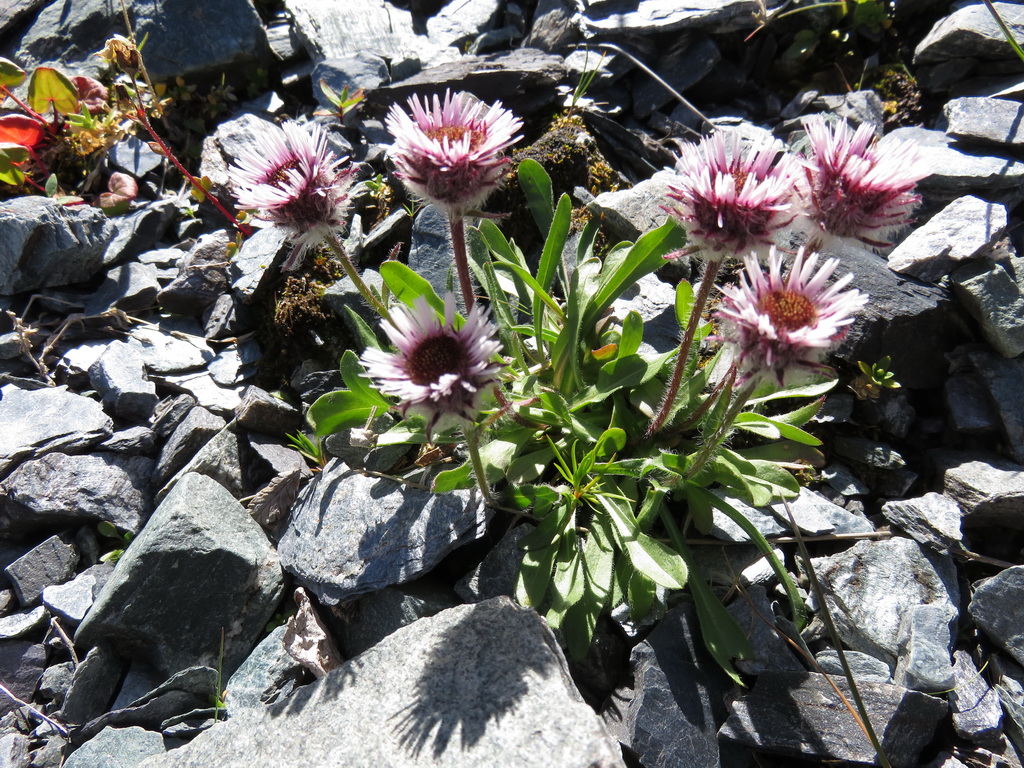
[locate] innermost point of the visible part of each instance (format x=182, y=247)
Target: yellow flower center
x=455, y=133
x=788, y=309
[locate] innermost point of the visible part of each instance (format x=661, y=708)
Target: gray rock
x=350, y=534
x=58, y=489
x=842, y=480
x=250, y=267
x=202, y=277
x=1001, y=379
x=235, y=363
x=614, y=17
x=21, y=665
x=51, y=562
x=977, y=715
x=994, y=608
x=14, y=751
x=926, y=646
x=131, y=287
x=901, y=308
x=498, y=572
x=965, y=229
x=430, y=251
x=139, y=230
x=71, y=601
x=629, y=213
x=264, y=458
x=553, y=29
x=728, y=565
x=754, y=613
x=967, y=405
x=671, y=712
x=816, y=515
x=134, y=441
x=227, y=318
x=865, y=668
x=474, y=685
x=204, y=548
x=117, y=748
x=655, y=301
x=29, y=429
x=119, y=377
x=971, y=31
x=957, y=170
x=260, y=411
x=219, y=459
x=270, y=673
x=723, y=527
x=133, y=155
x=343, y=295
x=170, y=412
x=872, y=585
x=360, y=70
x=190, y=39
x=191, y=434
x=168, y=351
x=988, y=488
x=932, y=520
x=974, y=119
x=44, y=243
x=992, y=296
x=18, y=624
x=92, y=686
x=208, y=394
x=856, y=108
x=798, y=714
x=891, y=411
x=54, y=684
x=368, y=620
x=877, y=463
x=687, y=60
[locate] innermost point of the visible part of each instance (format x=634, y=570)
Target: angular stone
x=926, y=645
x=202, y=277
x=131, y=287
x=21, y=665
x=655, y=301
x=971, y=31
x=71, y=601
x=498, y=572
x=260, y=411
x=133, y=155
x=92, y=686
x=57, y=489
x=755, y=616
x=989, y=488
x=629, y=213
x=51, y=562
x=30, y=430
x=350, y=534
x=964, y=229
x=974, y=119
x=932, y=520
x=475, y=685
x=689, y=57
x=430, y=251
x=817, y=516
x=251, y=265
x=18, y=624
x=360, y=70
x=120, y=378
x=209, y=394
x=219, y=459
x=870, y=587
x=203, y=548
x=270, y=673
x=190, y=39
x=968, y=408
x=992, y=296
x=799, y=714
x=44, y=243
x=138, y=231
x=117, y=748
x=994, y=608
x=977, y=715
x=723, y=527
x=191, y=434
x=620, y=18
x=14, y=751
x=863, y=667
x=166, y=350
x=368, y=620
x=227, y=143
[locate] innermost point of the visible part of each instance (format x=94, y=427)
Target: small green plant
x=310, y=450
x=586, y=80
x=220, y=695
x=108, y=531
x=343, y=102
x=873, y=379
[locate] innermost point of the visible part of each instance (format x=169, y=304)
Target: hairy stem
x=353, y=274
x=712, y=443
x=458, y=226
x=472, y=444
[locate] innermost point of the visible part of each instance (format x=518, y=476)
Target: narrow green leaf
x=364, y=333
x=550, y=528
x=599, y=568
x=684, y=303
x=49, y=88
x=336, y=411
x=410, y=431
x=807, y=390
x=611, y=442
x=774, y=429
x=535, y=575
x=632, y=334
x=628, y=371
x=407, y=286
x=354, y=376
x=536, y=186
x=454, y=479
x=568, y=581
x=657, y=561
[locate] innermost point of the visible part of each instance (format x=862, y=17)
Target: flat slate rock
x=970, y=31
x=482, y=684
x=117, y=748
x=995, y=609
x=350, y=534
x=630, y=17
x=200, y=561
x=988, y=487
x=799, y=714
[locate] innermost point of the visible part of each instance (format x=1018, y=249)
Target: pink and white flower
x=439, y=371
x=292, y=179
x=857, y=189
x=731, y=200
x=781, y=327
x=450, y=153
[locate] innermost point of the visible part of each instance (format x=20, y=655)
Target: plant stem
x=458, y=226
x=5, y=91
x=668, y=400
x=1005, y=30
x=353, y=274
x=712, y=443
x=472, y=444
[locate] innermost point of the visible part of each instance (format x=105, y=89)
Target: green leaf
x=611, y=442
x=52, y=185
x=801, y=416
x=807, y=390
x=336, y=411
x=49, y=88
x=649, y=556
x=408, y=286
x=568, y=581
x=11, y=75
x=410, y=431
x=550, y=528
x=536, y=186
x=785, y=451
x=632, y=334
x=364, y=333
x=599, y=567
x=628, y=371
x=535, y=575
x=498, y=454
x=744, y=484
x=354, y=376
x=103, y=528
x=550, y=258
x=641, y=592
x=454, y=479
x=9, y=172
x=773, y=429
x=684, y=303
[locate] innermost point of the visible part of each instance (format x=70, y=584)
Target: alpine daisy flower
x=292, y=179
x=450, y=153
x=733, y=201
x=438, y=371
x=778, y=326
x=857, y=189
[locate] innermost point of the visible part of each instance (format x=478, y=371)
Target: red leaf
x=92, y=93
x=20, y=129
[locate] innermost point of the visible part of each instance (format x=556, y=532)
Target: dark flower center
x=434, y=357
x=789, y=309
x=455, y=133
x=279, y=175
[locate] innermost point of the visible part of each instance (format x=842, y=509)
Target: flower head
x=450, y=153
x=781, y=326
x=731, y=201
x=438, y=372
x=857, y=189
x=294, y=180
